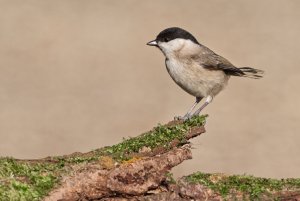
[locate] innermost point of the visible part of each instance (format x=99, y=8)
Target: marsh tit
x=195, y=68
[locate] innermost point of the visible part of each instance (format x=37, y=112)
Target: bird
x=195, y=68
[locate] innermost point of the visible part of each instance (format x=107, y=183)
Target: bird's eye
x=166, y=39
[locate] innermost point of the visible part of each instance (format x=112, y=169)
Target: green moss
x=251, y=187
x=21, y=180
x=170, y=178
x=76, y=159
x=25, y=181
x=160, y=136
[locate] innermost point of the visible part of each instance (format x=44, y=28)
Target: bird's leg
x=208, y=100
x=188, y=114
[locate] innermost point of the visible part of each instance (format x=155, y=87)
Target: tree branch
x=135, y=169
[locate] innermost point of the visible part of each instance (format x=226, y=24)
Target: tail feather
x=252, y=72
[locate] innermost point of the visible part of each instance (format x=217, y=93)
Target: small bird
x=195, y=68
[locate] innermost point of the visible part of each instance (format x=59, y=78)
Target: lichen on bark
x=138, y=168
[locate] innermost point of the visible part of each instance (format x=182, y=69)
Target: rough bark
x=144, y=178
x=129, y=179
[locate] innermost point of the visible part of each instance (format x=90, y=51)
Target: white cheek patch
x=172, y=46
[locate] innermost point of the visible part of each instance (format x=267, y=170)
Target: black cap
x=174, y=33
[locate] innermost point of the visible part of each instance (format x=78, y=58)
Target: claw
x=178, y=118
x=184, y=118
x=187, y=117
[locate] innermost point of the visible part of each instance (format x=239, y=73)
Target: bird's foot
x=178, y=118
x=197, y=113
x=184, y=118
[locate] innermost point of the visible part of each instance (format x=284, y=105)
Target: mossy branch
x=135, y=169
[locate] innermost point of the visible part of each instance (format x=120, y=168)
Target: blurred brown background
x=77, y=75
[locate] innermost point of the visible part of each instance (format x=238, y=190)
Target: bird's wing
x=210, y=60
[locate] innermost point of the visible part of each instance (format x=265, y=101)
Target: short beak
x=152, y=43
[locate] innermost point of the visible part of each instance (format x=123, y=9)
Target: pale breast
x=195, y=79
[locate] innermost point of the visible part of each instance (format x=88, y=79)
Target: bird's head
x=173, y=39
